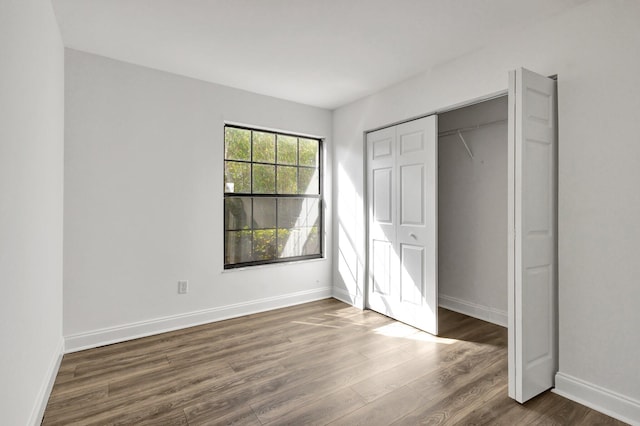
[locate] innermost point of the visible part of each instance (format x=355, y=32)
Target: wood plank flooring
x=318, y=363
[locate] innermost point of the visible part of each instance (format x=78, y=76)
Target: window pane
x=237, y=144
x=287, y=180
x=287, y=149
x=289, y=211
x=309, y=213
x=298, y=212
x=298, y=221
x=238, y=247
x=237, y=213
x=264, y=212
x=309, y=182
x=264, y=147
x=264, y=244
x=264, y=179
x=288, y=244
x=311, y=241
x=298, y=242
x=237, y=177
x=308, y=152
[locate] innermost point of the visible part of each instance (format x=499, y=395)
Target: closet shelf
x=466, y=129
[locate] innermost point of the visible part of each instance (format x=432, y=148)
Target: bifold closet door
x=402, y=236
x=533, y=359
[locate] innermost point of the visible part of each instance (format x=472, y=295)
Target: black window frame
x=251, y=195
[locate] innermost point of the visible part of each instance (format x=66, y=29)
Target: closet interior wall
x=472, y=211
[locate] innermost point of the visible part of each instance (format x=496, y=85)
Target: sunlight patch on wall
x=350, y=262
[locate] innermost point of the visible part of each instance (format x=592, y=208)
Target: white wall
x=593, y=49
x=31, y=179
x=144, y=202
x=472, y=212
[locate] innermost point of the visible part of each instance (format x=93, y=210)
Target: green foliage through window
x=272, y=197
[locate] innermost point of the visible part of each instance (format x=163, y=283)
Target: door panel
x=411, y=142
x=411, y=233
x=381, y=266
x=382, y=148
x=382, y=192
x=412, y=273
x=537, y=332
x=539, y=158
x=383, y=262
x=532, y=246
x=412, y=201
x=418, y=161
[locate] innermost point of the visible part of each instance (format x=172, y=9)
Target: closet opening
x=472, y=214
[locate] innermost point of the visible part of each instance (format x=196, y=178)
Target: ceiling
x=324, y=53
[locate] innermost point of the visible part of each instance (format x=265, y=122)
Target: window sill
x=273, y=265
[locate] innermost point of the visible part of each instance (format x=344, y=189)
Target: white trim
x=511, y=235
x=593, y=396
x=346, y=297
x=448, y=108
x=271, y=129
x=47, y=385
x=271, y=265
x=485, y=313
x=109, y=335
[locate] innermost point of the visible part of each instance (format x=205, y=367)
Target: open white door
x=402, y=204
x=532, y=234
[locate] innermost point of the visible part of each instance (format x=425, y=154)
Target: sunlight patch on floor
x=401, y=330
x=316, y=324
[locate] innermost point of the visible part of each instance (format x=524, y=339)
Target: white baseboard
x=485, y=313
x=598, y=398
x=47, y=385
x=106, y=336
x=346, y=297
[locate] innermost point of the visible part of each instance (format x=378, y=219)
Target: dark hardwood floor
x=318, y=363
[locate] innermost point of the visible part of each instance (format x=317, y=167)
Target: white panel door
x=383, y=264
x=532, y=263
x=402, y=194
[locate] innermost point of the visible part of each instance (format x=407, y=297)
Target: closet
x=454, y=255
x=461, y=212
x=472, y=210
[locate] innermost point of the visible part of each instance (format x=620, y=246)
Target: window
x=272, y=197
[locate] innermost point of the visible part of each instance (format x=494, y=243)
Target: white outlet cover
x=183, y=287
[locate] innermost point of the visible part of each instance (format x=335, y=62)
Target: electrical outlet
x=183, y=287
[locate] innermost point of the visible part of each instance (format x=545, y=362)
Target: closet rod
x=466, y=129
